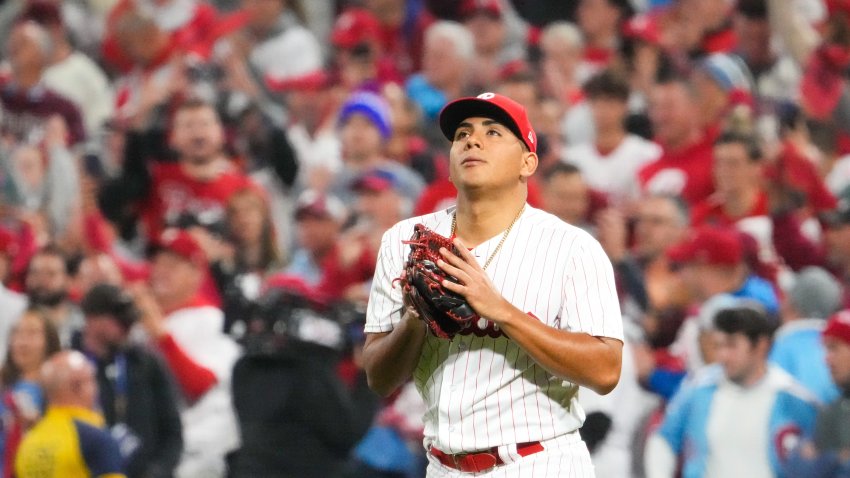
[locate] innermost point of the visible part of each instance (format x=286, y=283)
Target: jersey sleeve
x=590, y=295
x=100, y=452
x=385, y=299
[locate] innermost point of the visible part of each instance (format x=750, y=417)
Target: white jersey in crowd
x=481, y=389
x=615, y=173
x=210, y=429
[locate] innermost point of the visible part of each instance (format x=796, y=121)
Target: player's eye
x=494, y=132
x=461, y=134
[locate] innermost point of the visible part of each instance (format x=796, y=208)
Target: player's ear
x=529, y=164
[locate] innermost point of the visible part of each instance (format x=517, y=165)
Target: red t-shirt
x=686, y=172
x=710, y=211
x=173, y=193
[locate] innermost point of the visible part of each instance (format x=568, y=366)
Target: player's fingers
x=464, y=252
x=454, y=259
x=453, y=271
x=454, y=287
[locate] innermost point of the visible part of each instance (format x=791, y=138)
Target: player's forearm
x=592, y=362
x=390, y=358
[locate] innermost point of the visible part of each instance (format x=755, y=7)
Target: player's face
x=672, y=113
x=608, y=113
x=838, y=360
x=197, y=134
x=486, y=153
x=740, y=358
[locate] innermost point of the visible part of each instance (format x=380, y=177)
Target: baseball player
x=501, y=394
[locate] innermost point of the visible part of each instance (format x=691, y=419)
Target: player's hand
x=152, y=318
x=474, y=285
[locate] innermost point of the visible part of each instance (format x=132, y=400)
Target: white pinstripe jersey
x=481, y=389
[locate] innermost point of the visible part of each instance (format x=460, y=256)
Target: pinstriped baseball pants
x=563, y=457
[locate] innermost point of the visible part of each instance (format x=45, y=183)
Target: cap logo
x=486, y=96
x=531, y=137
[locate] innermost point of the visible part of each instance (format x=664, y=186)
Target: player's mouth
x=471, y=161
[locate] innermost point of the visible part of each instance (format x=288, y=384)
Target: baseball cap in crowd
x=643, y=27
x=728, y=71
x=489, y=105
x=490, y=8
x=312, y=203
x=180, y=242
x=312, y=81
x=376, y=180
x=708, y=245
x=354, y=27
x=370, y=105
x=841, y=214
x=838, y=326
x=815, y=293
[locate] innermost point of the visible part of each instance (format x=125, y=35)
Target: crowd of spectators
x=193, y=194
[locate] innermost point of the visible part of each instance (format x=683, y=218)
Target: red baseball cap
x=708, y=245
x=643, y=27
x=491, y=8
x=838, y=326
x=355, y=26
x=375, y=180
x=835, y=6
x=180, y=242
x=489, y=105
x=314, y=81
x=312, y=203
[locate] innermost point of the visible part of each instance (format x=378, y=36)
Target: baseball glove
x=445, y=312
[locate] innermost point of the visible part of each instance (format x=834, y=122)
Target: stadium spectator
x=827, y=453
x=12, y=303
x=72, y=73
x=364, y=126
x=319, y=218
x=448, y=48
x=70, y=439
x=742, y=420
x=33, y=341
x=136, y=393
x=48, y=285
x=493, y=49
x=197, y=186
x=26, y=101
x=611, y=163
x=814, y=296
x=188, y=331
x=684, y=167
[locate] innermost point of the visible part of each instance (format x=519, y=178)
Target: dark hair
x=194, y=103
x=752, y=9
x=271, y=256
x=10, y=373
x=748, y=321
x=107, y=299
x=53, y=250
x=560, y=167
x=747, y=140
x=607, y=84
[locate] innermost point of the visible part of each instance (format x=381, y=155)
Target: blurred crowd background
x=193, y=193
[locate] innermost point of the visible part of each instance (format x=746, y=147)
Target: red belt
x=482, y=460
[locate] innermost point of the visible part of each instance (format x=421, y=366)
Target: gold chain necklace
x=501, y=242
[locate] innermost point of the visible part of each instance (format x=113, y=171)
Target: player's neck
x=480, y=219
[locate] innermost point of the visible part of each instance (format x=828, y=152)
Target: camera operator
x=297, y=416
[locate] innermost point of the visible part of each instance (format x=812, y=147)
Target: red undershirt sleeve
x=194, y=379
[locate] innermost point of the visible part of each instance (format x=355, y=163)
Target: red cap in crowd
x=838, y=326
x=355, y=26
x=180, y=242
x=643, y=27
x=708, y=245
x=491, y=8
x=314, y=81
x=835, y=6
x=314, y=204
x=375, y=180
x=489, y=105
